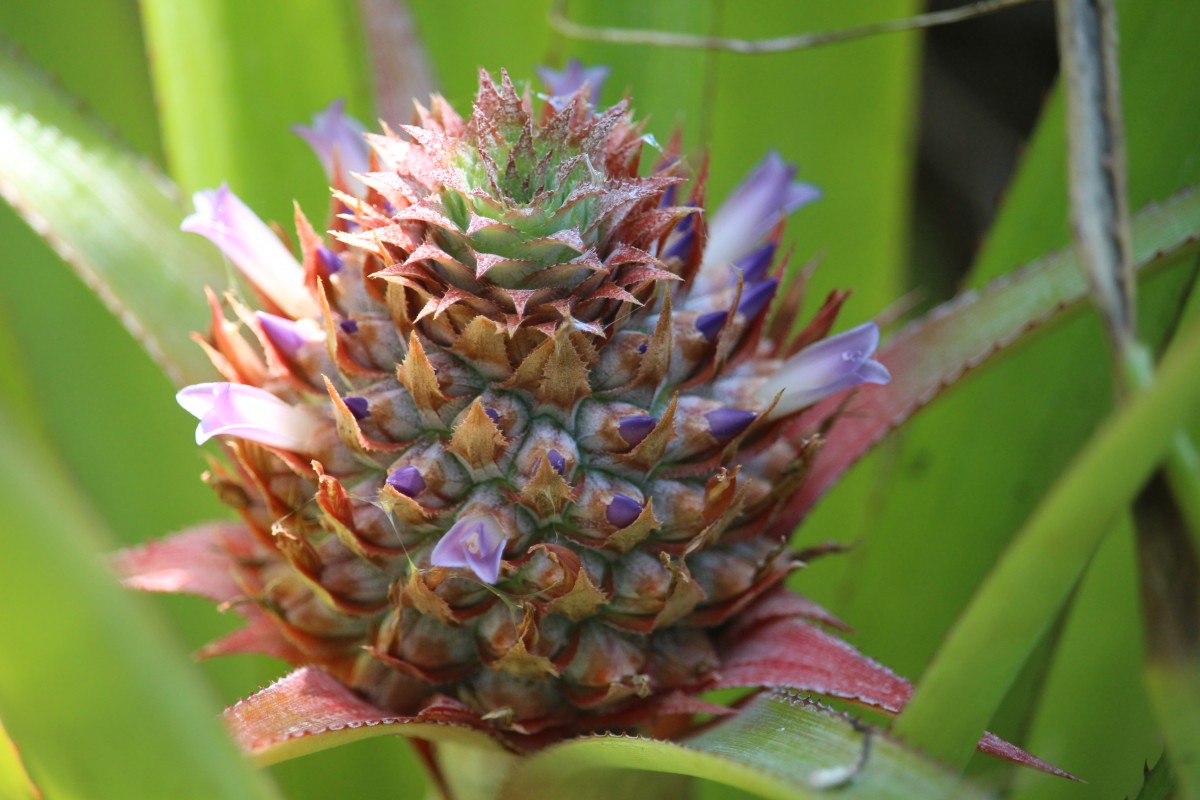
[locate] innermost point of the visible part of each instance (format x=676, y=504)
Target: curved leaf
x=1009, y=613
x=231, y=79
x=308, y=710
x=779, y=745
x=15, y=782
x=932, y=353
x=108, y=214
x=90, y=684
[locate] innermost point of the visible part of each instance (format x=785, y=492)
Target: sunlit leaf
x=779, y=746
x=108, y=214
x=101, y=699
x=231, y=78
x=15, y=782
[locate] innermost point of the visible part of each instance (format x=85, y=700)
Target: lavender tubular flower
x=288, y=336
x=561, y=84
x=766, y=196
x=246, y=412
x=223, y=219
x=337, y=140
x=825, y=368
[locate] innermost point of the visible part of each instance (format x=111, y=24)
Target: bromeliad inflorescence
x=511, y=439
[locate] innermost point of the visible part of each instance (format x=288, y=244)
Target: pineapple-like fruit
x=511, y=434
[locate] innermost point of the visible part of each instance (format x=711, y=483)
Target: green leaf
x=109, y=215
x=14, y=779
x=1169, y=568
x=1159, y=784
x=232, y=77
x=101, y=700
x=937, y=350
x=963, y=475
x=968, y=678
x=779, y=745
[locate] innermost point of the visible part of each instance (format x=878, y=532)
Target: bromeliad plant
x=515, y=446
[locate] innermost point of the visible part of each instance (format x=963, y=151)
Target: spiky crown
x=523, y=222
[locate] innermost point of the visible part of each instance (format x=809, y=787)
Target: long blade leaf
x=103, y=704
x=934, y=352
x=109, y=214
x=985, y=650
x=232, y=77
x=779, y=746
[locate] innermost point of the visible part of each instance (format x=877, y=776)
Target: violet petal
x=408, y=481
x=622, y=511
x=335, y=132
x=725, y=423
x=288, y=336
x=247, y=412
x=254, y=249
x=348, y=325
x=566, y=82
x=825, y=368
x=756, y=297
x=359, y=407
x=766, y=195
x=557, y=462
x=634, y=429
x=710, y=324
x=475, y=543
x=331, y=262
x=754, y=266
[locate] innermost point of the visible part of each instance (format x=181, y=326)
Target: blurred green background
x=938, y=171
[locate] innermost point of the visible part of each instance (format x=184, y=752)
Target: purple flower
x=767, y=195
x=360, y=407
x=475, y=543
x=572, y=78
x=756, y=297
x=635, y=428
x=826, y=368
x=288, y=336
x=336, y=135
x=622, y=511
x=247, y=412
x=725, y=423
x=407, y=481
x=754, y=265
x=710, y=324
x=331, y=262
x=228, y=223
